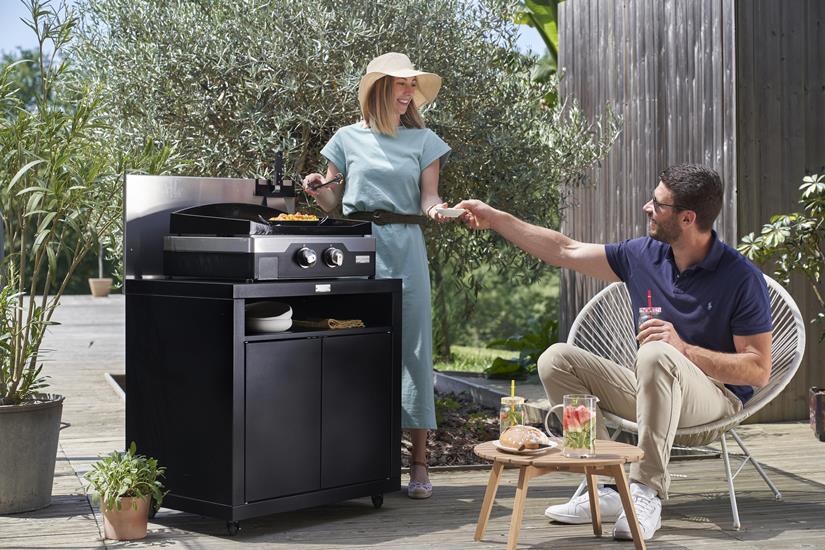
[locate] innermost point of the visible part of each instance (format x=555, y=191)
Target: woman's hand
x=434, y=215
x=310, y=181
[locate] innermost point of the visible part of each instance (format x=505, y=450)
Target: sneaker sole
x=622, y=535
x=574, y=520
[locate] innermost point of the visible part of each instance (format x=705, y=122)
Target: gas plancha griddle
x=239, y=241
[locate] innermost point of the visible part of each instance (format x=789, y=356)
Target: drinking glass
x=579, y=425
x=511, y=412
x=648, y=313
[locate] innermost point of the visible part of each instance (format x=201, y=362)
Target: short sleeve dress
x=384, y=173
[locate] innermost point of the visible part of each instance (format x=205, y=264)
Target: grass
x=471, y=359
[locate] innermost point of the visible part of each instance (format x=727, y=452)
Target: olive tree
x=230, y=82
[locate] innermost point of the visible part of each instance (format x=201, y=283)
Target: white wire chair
x=605, y=327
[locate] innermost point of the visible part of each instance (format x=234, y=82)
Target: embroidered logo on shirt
x=710, y=306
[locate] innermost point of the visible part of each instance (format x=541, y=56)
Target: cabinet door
x=283, y=419
x=356, y=401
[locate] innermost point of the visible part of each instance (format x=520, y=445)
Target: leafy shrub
x=530, y=346
x=60, y=192
x=795, y=241
x=228, y=83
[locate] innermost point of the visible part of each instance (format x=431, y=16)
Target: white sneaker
x=648, y=511
x=577, y=509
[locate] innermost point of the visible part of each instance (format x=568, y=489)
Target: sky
x=14, y=34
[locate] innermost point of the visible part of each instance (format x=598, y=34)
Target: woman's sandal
x=416, y=489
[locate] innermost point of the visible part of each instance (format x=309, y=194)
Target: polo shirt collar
x=710, y=261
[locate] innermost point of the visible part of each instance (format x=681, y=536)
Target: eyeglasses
x=658, y=205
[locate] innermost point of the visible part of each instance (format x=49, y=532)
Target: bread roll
x=522, y=437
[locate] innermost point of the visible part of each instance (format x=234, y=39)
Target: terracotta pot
x=127, y=523
x=100, y=287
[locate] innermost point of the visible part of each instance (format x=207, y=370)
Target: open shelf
x=313, y=333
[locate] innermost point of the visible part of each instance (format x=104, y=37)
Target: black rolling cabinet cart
x=252, y=424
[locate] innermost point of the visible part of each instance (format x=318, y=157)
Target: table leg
x=617, y=472
x=489, y=497
x=518, y=506
x=595, y=510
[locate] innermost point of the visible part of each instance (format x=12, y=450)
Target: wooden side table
x=609, y=460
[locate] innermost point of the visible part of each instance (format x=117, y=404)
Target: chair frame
x=788, y=351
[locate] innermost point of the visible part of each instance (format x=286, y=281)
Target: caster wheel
x=377, y=501
x=152, y=509
x=232, y=527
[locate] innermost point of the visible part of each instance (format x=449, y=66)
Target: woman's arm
x=327, y=197
x=429, y=191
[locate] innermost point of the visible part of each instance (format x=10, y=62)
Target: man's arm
x=749, y=365
x=549, y=246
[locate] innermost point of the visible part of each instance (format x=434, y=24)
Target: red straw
x=649, y=303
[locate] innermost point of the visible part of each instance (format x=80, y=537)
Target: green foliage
x=125, y=475
x=59, y=193
x=530, y=346
x=542, y=15
x=502, y=308
x=444, y=405
x=26, y=79
x=30, y=380
x=795, y=241
x=470, y=359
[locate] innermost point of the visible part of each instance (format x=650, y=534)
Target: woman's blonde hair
x=378, y=110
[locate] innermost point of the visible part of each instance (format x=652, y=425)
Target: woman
x=391, y=163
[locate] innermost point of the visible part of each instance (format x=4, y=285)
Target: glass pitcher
x=579, y=424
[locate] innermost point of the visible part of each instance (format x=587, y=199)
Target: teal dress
x=384, y=173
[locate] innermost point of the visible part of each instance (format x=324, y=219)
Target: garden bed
x=462, y=424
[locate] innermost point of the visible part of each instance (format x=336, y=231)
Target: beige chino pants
x=666, y=391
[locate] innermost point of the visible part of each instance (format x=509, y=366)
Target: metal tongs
x=337, y=179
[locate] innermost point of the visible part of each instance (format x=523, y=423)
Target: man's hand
x=658, y=330
x=478, y=214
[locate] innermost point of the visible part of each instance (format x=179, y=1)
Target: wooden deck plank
x=697, y=515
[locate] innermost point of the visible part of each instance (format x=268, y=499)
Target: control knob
x=306, y=257
x=333, y=257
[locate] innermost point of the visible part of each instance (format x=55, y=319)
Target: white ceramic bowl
x=268, y=325
x=268, y=317
x=450, y=212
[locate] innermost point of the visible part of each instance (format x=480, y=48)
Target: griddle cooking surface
x=225, y=219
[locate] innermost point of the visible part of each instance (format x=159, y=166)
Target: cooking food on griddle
x=296, y=217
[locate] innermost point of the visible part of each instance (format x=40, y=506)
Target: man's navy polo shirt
x=707, y=303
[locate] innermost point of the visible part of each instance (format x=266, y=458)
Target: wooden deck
x=90, y=342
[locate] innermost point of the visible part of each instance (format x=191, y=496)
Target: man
x=695, y=364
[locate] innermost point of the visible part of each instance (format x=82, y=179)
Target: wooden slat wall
x=780, y=138
x=737, y=86
x=661, y=65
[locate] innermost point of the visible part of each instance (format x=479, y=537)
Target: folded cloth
x=328, y=323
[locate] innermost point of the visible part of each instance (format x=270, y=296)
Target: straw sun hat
x=398, y=64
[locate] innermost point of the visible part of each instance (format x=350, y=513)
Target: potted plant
x=60, y=193
x=100, y=286
x=126, y=485
x=796, y=242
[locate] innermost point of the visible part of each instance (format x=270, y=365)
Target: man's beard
x=667, y=233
